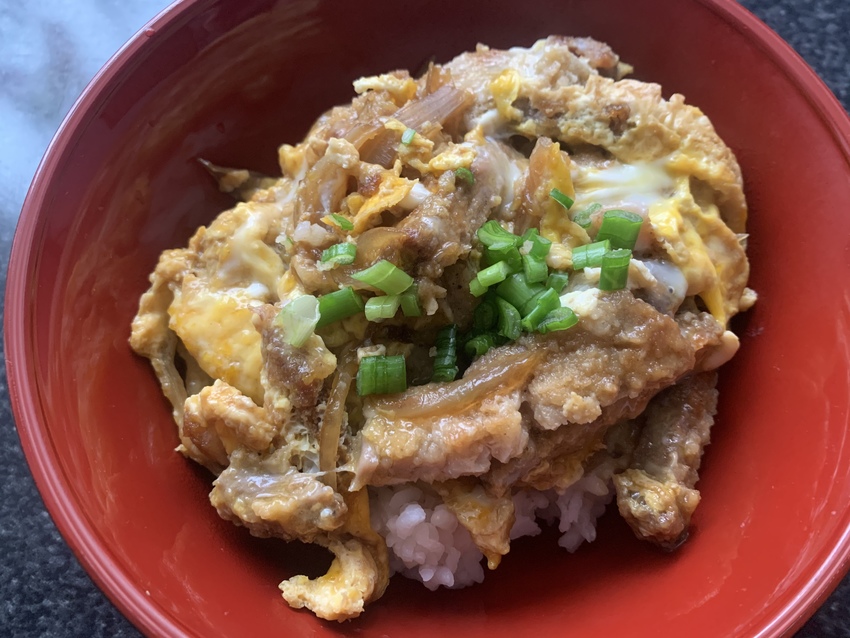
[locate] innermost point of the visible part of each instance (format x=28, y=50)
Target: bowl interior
x=230, y=81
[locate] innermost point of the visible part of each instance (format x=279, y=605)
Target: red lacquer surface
x=229, y=81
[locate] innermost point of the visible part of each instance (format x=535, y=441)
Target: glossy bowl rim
x=85, y=541
x=76, y=529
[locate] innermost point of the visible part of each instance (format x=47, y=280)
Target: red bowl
x=229, y=81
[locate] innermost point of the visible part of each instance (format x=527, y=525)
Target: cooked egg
x=706, y=255
x=640, y=184
x=213, y=308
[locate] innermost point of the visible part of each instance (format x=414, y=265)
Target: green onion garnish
x=476, y=288
x=486, y=315
x=340, y=254
x=504, y=252
x=381, y=375
x=509, y=319
x=556, y=281
x=544, y=303
x=465, y=175
x=480, y=344
x=615, y=269
x=563, y=199
x=445, y=361
x=382, y=307
x=492, y=234
x=582, y=217
x=385, y=276
x=342, y=221
x=540, y=246
x=534, y=245
x=517, y=291
x=590, y=255
x=558, y=319
x=535, y=269
x=407, y=136
x=493, y=274
x=620, y=227
x=339, y=305
x=298, y=319
x=410, y=302
x=530, y=234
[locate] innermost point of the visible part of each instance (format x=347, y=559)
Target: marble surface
x=48, y=52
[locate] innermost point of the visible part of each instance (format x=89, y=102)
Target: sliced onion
x=500, y=373
x=436, y=108
x=334, y=413
x=362, y=132
x=382, y=242
x=418, y=194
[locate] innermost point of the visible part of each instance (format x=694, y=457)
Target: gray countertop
x=48, y=51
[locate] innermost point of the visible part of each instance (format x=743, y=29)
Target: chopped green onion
x=620, y=227
x=563, y=199
x=476, y=288
x=480, y=344
x=583, y=217
x=545, y=303
x=472, y=332
x=615, y=269
x=340, y=254
x=407, y=136
x=385, y=276
x=517, y=291
x=535, y=269
x=381, y=375
x=339, y=305
x=540, y=248
x=535, y=245
x=444, y=375
x=532, y=303
x=493, y=274
x=558, y=319
x=445, y=361
x=530, y=234
x=486, y=315
x=298, y=319
x=557, y=281
x=492, y=234
x=509, y=319
x=382, y=307
x=590, y=255
x=504, y=252
x=342, y=221
x=410, y=302
x=465, y=174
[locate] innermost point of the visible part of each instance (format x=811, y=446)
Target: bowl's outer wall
x=121, y=183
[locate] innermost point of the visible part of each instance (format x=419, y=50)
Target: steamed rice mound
x=474, y=448
x=427, y=542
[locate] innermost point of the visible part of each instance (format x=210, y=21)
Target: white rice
x=426, y=541
x=428, y=544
